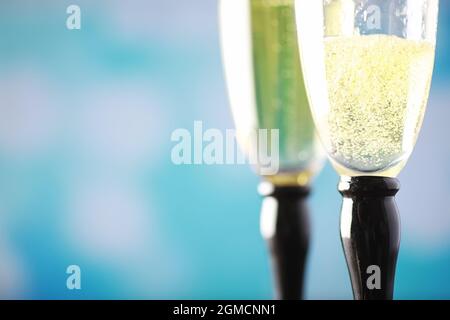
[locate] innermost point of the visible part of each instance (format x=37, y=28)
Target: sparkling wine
x=378, y=88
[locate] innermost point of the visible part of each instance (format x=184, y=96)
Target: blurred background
x=86, y=176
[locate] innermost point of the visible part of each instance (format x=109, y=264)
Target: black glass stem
x=285, y=227
x=370, y=233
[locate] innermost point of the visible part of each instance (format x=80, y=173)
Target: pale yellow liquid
x=378, y=88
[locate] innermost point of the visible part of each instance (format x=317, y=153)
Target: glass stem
x=285, y=227
x=370, y=234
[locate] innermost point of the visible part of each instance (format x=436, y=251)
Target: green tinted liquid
x=280, y=90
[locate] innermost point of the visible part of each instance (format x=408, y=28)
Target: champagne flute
x=266, y=91
x=368, y=66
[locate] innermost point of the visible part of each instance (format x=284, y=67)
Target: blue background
x=86, y=176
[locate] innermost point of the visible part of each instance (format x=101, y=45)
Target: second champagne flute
x=266, y=90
